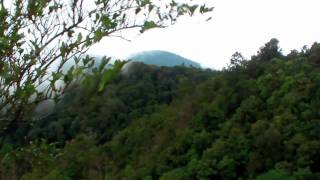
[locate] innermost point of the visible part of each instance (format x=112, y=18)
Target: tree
x=270, y=50
x=39, y=37
x=236, y=61
x=314, y=57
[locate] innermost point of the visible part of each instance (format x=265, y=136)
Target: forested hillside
x=256, y=119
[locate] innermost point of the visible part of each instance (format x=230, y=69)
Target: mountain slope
x=163, y=58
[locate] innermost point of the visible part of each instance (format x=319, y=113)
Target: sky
x=236, y=25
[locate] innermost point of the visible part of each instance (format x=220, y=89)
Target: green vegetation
x=39, y=37
x=256, y=119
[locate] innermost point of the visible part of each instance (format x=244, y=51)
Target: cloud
x=236, y=26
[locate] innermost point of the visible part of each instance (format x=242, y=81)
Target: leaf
x=56, y=76
x=138, y=10
x=110, y=73
x=69, y=76
x=70, y=33
x=192, y=9
x=148, y=25
x=86, y=60
x=106, y=21
x=29, y=89
x=98, y=35
x=105, y=78
x=151, y=7
x=63, y=49
x=205, y=9
x=145, y=2
x=104, y=62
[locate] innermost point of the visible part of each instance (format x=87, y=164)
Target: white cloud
x=236, y=26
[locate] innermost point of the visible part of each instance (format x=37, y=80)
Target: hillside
x=163, y=58
x=256, y=119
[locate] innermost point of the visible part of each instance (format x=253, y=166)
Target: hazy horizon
x=235, y=26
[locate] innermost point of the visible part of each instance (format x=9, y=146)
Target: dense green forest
x=255, y=119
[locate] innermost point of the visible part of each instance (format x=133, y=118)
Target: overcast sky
x=242, y=26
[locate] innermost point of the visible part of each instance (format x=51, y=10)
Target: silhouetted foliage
x=270, y=50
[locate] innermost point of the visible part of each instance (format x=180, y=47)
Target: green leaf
x=205, y=9
x=98, y=35
x=148, y=25
x=69, y=76
x=192, y=9
x=104, y=62
x=109, y=73
x=105, y=78
x=56, y=76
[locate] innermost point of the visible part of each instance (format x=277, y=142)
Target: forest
x=256, y=119
x=65, y=115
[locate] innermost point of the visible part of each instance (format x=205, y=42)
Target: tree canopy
x=257, y=119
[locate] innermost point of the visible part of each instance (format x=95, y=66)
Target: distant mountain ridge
x=163, y=58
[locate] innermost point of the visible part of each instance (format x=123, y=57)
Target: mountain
x=163, y=58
